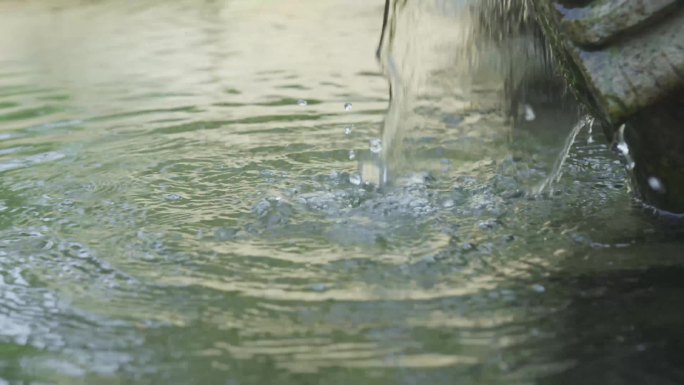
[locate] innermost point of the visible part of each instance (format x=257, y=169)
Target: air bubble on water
x=529, y=113
x=355, y=179
x=375, y=146
x=348, y=130
x=173, y=197
x=347, y=106
x=656, y=185
x=352, y=154
x=301, y=102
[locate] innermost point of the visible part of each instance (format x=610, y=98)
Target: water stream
x=557, y=170
x=178, y=204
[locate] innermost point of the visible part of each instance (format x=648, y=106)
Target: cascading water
x=469, y=57
x=557, y=170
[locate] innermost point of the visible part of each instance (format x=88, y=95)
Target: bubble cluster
x=375, y=146
x=355, y=179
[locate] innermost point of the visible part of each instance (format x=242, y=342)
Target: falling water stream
x=222, y=192
x=557, y=170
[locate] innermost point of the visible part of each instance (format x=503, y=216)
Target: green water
x=170, y=214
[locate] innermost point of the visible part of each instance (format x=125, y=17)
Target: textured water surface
x=178, y=205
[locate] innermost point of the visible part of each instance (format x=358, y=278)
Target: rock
x=621, y=56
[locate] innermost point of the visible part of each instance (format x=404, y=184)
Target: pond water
x=189, y=195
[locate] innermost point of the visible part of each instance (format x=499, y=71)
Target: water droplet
x=348, y=130
x=355, y=179
x=656, y=185
x=347, y=106
x=375, y=145
x=352, y=154
x=529, y=113
x=301, y=102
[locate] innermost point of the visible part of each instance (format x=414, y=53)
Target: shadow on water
x=620, y=327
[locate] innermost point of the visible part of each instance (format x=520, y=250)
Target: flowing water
x=189, y=195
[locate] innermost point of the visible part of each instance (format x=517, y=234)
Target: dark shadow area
x=656, y=145
x=621, y=327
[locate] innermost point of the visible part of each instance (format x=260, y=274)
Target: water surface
x=171, y=212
